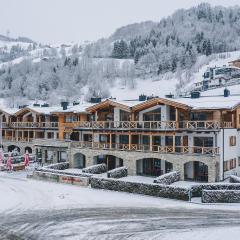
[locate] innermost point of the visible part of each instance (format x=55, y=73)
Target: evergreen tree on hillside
x=120, y=49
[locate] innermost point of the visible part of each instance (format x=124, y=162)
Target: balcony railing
x=30, y=125
x=152, y=125
x=17, y=139
x=148, y=148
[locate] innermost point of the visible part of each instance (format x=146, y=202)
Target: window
x=203, y=141
x=154, y=115
x=50, y=135
x=232, y=141
x=62, y=156
x=70, y=118
x=233, y=163
x=226, y=166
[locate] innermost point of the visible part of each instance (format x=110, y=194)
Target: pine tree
x=209, y=48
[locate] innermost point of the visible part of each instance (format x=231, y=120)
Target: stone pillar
x=130, y=162
x=89, y=160
x=43, y=155
x=179, y=166
x=55, y=156
x=212, y=173
x=45, y=134
x=55, y=134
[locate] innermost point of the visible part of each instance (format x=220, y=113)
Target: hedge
x=118, y=172
x=96, y=169
x=157, y=190
x=168, y=178
x=221, y=196
x=234, y=179
x=196, y=190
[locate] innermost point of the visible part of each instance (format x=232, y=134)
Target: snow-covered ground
x=31, y=209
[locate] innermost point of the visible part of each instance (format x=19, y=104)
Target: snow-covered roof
x=43, y=110
x=128, y=103
x=211, y=102
x=39, y=110
x=80, y=108
x=10, y=111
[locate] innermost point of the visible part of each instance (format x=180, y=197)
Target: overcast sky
x=58, y=21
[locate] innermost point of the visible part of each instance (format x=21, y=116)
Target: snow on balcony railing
x=33, y=125
x=152, y=125
x=148, y=148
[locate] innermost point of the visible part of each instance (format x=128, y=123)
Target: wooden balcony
x=16, y=139
x=147, y=148
x=153, y=125
x=30, y=125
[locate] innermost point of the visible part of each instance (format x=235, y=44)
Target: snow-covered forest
x=178, y=45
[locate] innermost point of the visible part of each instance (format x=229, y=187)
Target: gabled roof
x=37, y=110
x=80, y=108
x=211, y=102
x=9, y=111
x=124, y=105
x=158, y=101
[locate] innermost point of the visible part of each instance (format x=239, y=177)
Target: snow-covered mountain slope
x=150, y=86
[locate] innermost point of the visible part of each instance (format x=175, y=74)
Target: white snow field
x=31, y=209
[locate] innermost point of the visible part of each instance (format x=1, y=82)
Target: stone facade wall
x=130, y=158
x=22, y=145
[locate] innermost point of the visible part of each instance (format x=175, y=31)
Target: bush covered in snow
x=221, y=196
x=196, y=190
x=118, y=172
x=157, y=190
x=168, y=178
x=234, y=179
x=96, y=169
x=59, y=166
x=58, y=169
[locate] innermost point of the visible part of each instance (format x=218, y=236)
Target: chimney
x=64, y=105
x=195, y=94
x=95, y=99
x=226, y=92
x=169, y=95
x=142, y=97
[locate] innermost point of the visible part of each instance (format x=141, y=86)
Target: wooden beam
x=129, y=141
x=177, y=118
x=110, y=140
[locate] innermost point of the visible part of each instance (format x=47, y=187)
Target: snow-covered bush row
x=168, y=178
x=118, y=172
x=59, y=166
x=157, y=190
x=96, y=169
x=234, y=179
x=196, y=190
x=58, y=169
x=221, y=196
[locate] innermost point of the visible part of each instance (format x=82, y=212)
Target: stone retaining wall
x=62, y=178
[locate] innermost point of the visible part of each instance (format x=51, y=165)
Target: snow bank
x=168, y=178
